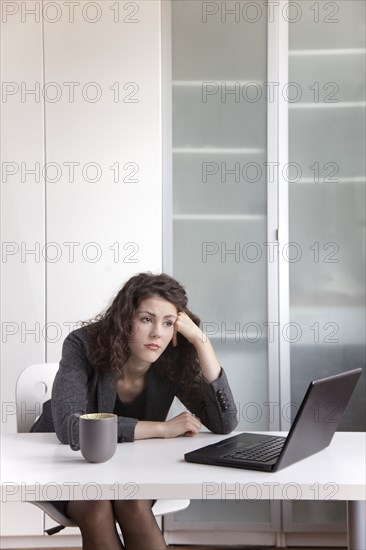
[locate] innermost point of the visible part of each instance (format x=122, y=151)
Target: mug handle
x=73, y=418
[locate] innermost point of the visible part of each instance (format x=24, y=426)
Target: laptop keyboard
x=266, y=450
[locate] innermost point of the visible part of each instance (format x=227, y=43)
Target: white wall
x=95, y=69
x=95, y=72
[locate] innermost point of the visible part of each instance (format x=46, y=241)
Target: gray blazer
x=80, y=388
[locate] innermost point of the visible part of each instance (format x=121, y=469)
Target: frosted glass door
x=219, y=67
x=219, y=189
x=327, y=211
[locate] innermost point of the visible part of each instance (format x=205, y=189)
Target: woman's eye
x=169, y=323
x=145, y=319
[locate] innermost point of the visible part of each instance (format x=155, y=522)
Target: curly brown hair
x=111, y=331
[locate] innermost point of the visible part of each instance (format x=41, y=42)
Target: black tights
x=96, y=520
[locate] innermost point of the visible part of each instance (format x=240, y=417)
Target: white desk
x=37, y=467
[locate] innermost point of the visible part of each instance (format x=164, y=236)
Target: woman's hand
x=188, y=329
x=183, y=424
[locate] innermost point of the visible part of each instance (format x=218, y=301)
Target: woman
x=133, y=360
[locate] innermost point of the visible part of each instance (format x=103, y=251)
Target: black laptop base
x=216, y=454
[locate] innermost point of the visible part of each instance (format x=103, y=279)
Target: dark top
x=135, y=409
x=79, y=387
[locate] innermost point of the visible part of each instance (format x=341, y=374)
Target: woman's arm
x=183, y=424
x=210, y=396
x=70, y=387
x=74, y=391
x=79, y=388
x=208, y=361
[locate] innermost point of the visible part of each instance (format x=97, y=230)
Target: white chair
x=33, y=388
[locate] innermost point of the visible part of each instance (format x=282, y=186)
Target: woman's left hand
x=188, y=329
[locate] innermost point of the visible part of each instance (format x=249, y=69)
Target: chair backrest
x=33, y=388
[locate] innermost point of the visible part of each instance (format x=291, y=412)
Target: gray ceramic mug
x=98, y=434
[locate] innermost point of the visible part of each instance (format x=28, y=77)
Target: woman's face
x=152, y=329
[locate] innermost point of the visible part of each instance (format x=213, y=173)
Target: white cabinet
x=22, y=205
x=20, y=519
x=81, y=192
x=105, y=213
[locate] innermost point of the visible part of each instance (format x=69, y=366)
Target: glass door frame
x=278, y=215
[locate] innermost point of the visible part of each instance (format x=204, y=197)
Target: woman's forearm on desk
x=183, y=424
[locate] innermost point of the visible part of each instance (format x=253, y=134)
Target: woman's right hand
x=184, y=424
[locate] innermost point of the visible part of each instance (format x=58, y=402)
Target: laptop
x=312, y=430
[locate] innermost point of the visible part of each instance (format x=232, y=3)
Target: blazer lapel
x=106, y=392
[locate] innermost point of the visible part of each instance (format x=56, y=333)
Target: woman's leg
x=96, y=521
x=138, y=525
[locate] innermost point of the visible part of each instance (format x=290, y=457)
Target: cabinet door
x=327, y=215
x=20, y=519
x=22, y=201
x=219, y=67
x=103, y=201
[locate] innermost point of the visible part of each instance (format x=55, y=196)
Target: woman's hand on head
x=183, y=424
x=185, y=326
